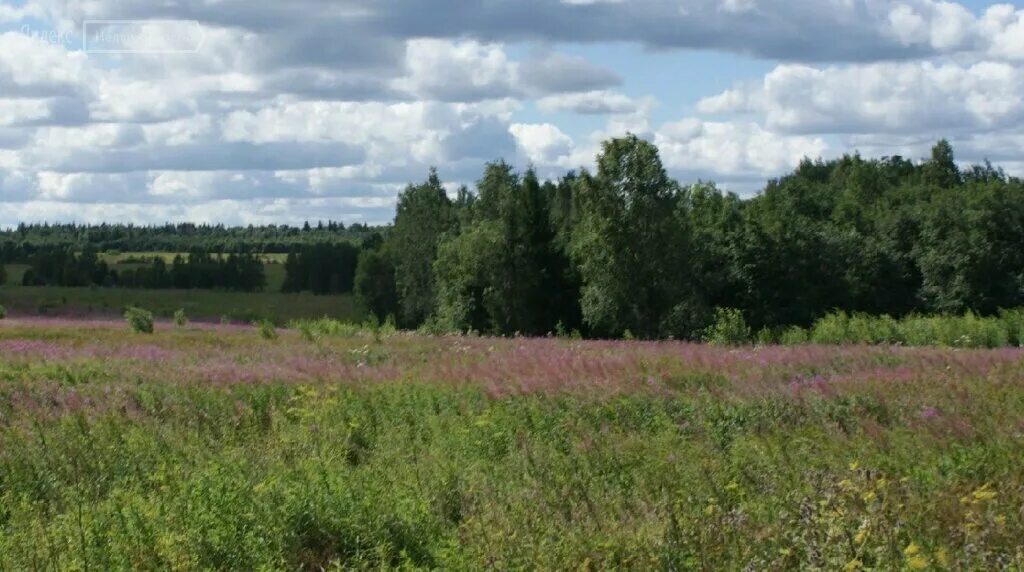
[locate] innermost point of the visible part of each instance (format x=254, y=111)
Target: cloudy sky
x=266, y=111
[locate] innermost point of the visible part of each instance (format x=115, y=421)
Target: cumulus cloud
x=287, y=104
x=737, y=150
x=542, y=143
x=887, y=97
x=589, y=103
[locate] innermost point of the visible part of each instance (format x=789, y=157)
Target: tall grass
x=967, y=331
x=206, y=448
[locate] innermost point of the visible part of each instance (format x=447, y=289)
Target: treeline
x=17, y=245
x=626, y=250
x=322, y=269
x=198, y=270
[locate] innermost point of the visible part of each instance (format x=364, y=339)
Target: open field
x=211, y=447
x=198, y=304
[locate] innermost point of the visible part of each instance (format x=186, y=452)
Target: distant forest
x=185, y=237
x=626, y=250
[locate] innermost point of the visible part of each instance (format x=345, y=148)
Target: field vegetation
x=331, y=446
x=203, y=305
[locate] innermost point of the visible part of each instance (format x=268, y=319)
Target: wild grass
x=205, y=447
x=966, y=331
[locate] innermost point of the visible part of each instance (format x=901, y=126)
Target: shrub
x=729, y=329
x=3, y=312
x=831, y=329
x=793, y=336
x=266, y=328
x=180, y=319
x=140, y=321
x=766, y=337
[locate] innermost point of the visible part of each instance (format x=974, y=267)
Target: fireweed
x=208, y=447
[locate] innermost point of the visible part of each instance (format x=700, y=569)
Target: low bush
x=729, y=328
x=140, y=321
x=967, y=331
x=266, y=328
x=180, y=319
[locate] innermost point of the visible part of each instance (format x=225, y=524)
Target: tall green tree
x=375, y=284
x=498, y=274
x=631, y=245
x=424, y=215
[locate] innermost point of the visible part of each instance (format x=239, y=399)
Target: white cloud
x=542, y=143
x=286, y=104
x=588, y=103
x=888, y=98
x=732, y=149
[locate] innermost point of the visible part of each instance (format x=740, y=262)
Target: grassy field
x=216, y=447
x=198, y=304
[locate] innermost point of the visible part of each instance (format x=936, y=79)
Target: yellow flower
x=1000, y=520
x=710, y=510
x=943, y=557
x=853, y=565
x=868, y=496
x=861, y=536
x=983, y=494
x=854, y=465
x=911, y=549
x=917, y=563
x=732, y=486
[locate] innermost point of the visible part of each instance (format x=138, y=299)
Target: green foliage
x=423, y=215
x=313, y=330
x=114, y=239
x=180, y=319
x=729, y=328
x=323, y=268
x=3, y=312
x=3, y=274
x=266, y=329
x=139, y=320
x=793, y=336
x=112, y=464
x=624, y=248
x=632, y=244
x=375, y=284
x=503, y=272
x=198, y=304
x=968, y=330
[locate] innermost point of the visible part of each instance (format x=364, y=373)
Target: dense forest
x=19, y=243
x=626, y=250
x=621, y=251
x=52, y=266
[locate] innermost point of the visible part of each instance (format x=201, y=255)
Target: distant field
x=212, y=447
x=198, y=304
x=15, y=272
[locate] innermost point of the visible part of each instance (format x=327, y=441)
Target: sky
x=269, y=112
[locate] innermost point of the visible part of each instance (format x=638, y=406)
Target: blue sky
x=326, y=109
